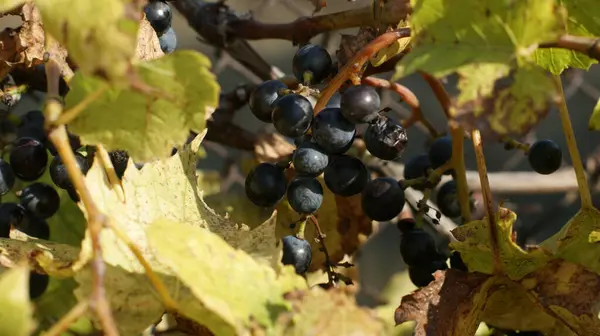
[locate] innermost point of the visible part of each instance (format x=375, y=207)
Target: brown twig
x=488, y=200
x=408, y=97
x=355, y=65
x=585, y=45
x=440, y=93
x=58, y=136
x=321, y=237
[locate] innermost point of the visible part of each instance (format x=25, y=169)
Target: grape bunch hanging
x=322, y=141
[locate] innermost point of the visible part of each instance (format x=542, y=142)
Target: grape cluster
x=160, y=16
x=322, y=142
x=29, y=154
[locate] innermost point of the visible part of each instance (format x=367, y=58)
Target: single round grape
x=34, y=118
x=417, y=247
x=7, y=177
x=292, y=115
x=38, y=283
x=119, y=159
x=440, y=152
x=40, y=199
x=296, y=252
x=58, y=170
x=168, y=41
x=360, y=104
x=447, y=199
x=417, y=167
x=422, y=276
x=383, y=199
x=262, y=98
x=346, y=175
x=28, y=159
x=545, y=157
x=314, y=59
x=34, y=226
x=160, y=15
x=331, y=131
x=265, y=185
x=385, y=138
x=456, y=262
x=309, y=159
x=74, y=141
x=305, y=195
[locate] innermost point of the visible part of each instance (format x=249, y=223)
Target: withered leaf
x=148, y=46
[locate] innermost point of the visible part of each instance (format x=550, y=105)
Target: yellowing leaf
x=511, y=105
x=228, y=282
x=396, y=48
x=329, y=313
x=594, y=124
x=16, y=315
x=148, y=127
x=101, y=37
x=556, y=60
x=475, y=247
x=450, y=34
x=575, y=241
x=162, y=190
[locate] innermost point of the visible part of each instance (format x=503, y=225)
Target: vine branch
x=585, y=45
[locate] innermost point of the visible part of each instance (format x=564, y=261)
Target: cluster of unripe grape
x=322, y=141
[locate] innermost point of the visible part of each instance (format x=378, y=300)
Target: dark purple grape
x=385, y=139
x=305, y=195
x=34, y=226
x=417, y=167
x=266, y=185
x=440, y=152
x=545, y=157
x=119, y=159
x=160, y=15
x=296, y=252
x=332, y=132
x=346, y=175
x=28, y=159
x=313, y=60
x=74, y=141
x=38, y=283
x=59, y=174
x=383, y=199
x=40, y=200
x=262, y=98
x=360, y=104
x=292, y=115
x=447, y=199
x=309, y=159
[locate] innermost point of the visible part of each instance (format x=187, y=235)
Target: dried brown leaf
x=449, y=306
x=570, y=293
x=26, y=45
x=351, y=44
x=148, y=46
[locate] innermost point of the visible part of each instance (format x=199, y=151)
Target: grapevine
x=108, y=225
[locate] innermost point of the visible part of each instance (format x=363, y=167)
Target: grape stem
x=460, y=171
x=113, y=179
x=407, y=96
x=488, y=200
x=58, y=136
x=301, y=228
x=356, y=64
x=328, y=265
x=440, y=93
x=65, y=322
x=563, y=111
x=510, y=143
x=589, y=46
x=72, y=113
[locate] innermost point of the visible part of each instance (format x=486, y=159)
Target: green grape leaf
x=511, y=105
x=332, y=312
x=101, y=38
x=556, y=60
x=16, y=315
x=496, y=31
x=475, y=247
x=185, y=250
x=168, y=190
x=594, y=124
x=577, y=240
x=147, y=126
x=586, y=12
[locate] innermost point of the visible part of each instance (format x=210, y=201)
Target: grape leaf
x=16, y=315
x=148, y=127
x=509, y=106
x=576, y=241
x=101, y=38
x=586, y=13
x=453, y=302
x=497, y=31
x=332, y=312
x=341, y=219
x=594, y=124
x=569, y=292
x=475, y=247
x=185, y=249
x=556, y=60
x=162, y=190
